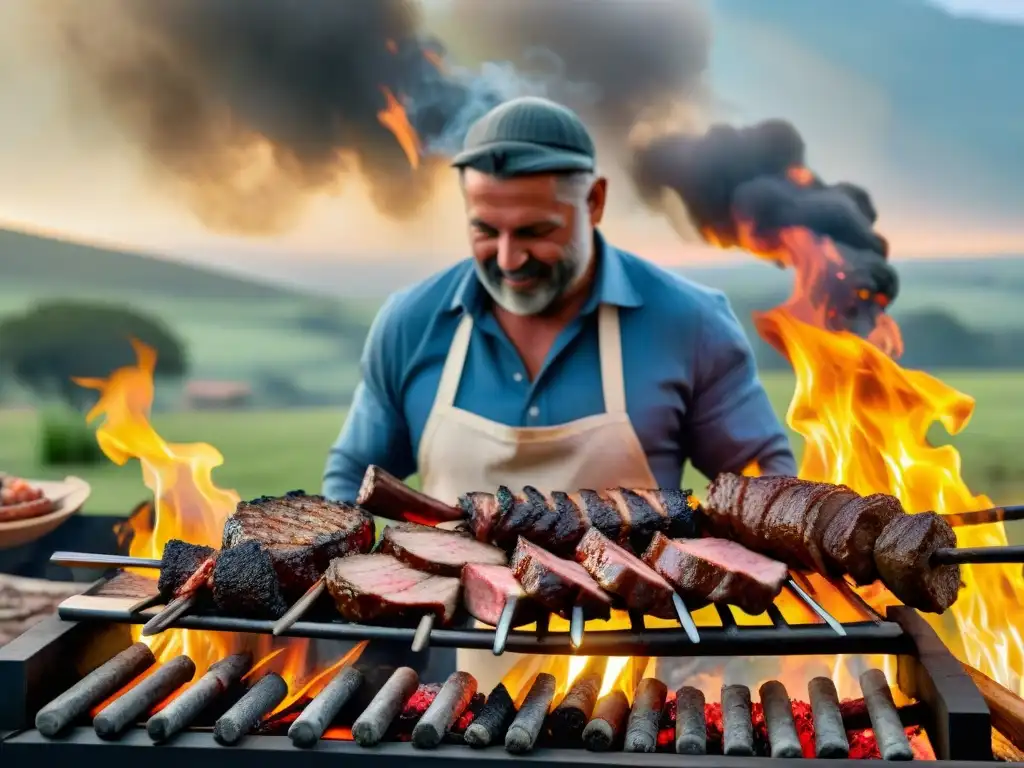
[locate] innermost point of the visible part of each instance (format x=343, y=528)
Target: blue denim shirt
x=692, y=390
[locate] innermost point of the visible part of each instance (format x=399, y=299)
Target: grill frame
x=200, y=751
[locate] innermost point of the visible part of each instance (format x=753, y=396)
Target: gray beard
x=564, y=275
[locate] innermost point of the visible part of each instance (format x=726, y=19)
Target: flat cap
x=527, y=135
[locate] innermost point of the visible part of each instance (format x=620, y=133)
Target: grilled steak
x=487, y=588
x=849, y=539
x=372, y=587
x=434, y=551
x=717, y=571
x=245, y=583
x=557, y=521
x=558, y=584
x=903, y=557
x=624, y=575
x=301, y=533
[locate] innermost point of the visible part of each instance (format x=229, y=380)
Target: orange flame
x=865, y=422
x=187, y=505
x=394, y=118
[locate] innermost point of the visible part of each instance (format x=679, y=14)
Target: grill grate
x=107, y=602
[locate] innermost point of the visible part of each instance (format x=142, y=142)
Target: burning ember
x=864, y=418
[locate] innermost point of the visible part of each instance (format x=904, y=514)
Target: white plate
x=69, y=494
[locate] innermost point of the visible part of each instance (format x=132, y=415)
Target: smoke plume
x=751, y=188
x=249, y=107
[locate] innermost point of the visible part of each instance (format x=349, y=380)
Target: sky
x=1002, y=10
x=62, y=174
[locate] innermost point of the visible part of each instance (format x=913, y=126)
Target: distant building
x=217, y=395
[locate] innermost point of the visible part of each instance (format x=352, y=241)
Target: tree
x=54, y=341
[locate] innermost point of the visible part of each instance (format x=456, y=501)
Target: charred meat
x=378, y=586
x=621, y=573
x=440, y=552
x=177, y=564
x=558, y=520
x=301, y=533
x=717, y=571
x=559, y=585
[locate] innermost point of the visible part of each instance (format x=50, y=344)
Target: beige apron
x=463, y=452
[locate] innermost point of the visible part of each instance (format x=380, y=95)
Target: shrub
x=66, y=439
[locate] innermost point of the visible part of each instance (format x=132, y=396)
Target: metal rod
x=421, y=638
x=983, y=516
x=147, y=603
x=501, y=631
x=685, y=619
x=577, y=623
x=778, y=620
x=636, y=621
x=87, y=560
x=813, y=605
x=728, y=620
x=174, y=610
x=302, y=605
x=978, y=555
x=801, y=640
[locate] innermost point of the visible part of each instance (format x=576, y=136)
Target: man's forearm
x=372, y=434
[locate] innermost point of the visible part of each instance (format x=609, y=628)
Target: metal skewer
x=978, y=555
x=813, y=605
x=984, y=516
x=685, y=619
x=422, y=636
x=577, y=622
x=302, y=605
x=174, y=610
x=504, y=626
x=86, y=560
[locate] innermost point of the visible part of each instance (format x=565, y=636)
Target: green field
x=276, y=451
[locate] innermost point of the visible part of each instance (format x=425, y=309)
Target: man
x=551, y=358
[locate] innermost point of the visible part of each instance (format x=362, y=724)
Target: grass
x=276, y=451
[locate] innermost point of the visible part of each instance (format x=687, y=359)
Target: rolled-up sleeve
x=375, y=430
x=732, y=423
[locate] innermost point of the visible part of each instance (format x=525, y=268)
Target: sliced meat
x=481, y=510
x=433, y=551
x=178, y=562
x=748, y=523
x=487, y=588
x=820, y=516
x=723, y=504
x=605, y=515
x=849, y=539
x=717, y=571
x=786, y=524
x=623, y=574
x=644, y=520
x=571, y=521
x=683, y=513
x=301, y=533
x=903, y=555
x=377, y=586
x=558, y=584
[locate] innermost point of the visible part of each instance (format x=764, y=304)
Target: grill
x=93, y=628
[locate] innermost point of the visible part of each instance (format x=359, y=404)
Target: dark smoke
x=247, y=107
x=757, y=176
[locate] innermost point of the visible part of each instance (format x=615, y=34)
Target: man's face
x=532, y=238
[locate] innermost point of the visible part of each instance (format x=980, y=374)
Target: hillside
x=42, y=266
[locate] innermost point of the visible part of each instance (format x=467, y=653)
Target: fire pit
x=585, y=710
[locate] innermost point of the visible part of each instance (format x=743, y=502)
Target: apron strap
x=609, y=341
x=451, y=375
